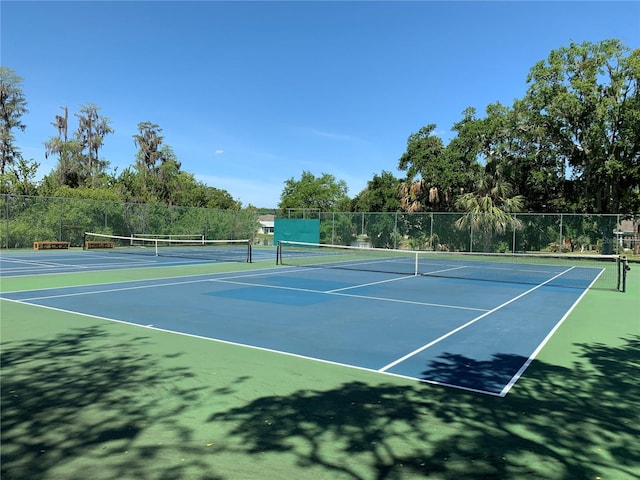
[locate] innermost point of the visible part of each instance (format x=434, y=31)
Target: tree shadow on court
x=97, y=397
x=481, y=375
x=89, y=394
x=558, y=423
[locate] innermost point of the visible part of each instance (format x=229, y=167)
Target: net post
x=156, y=245
x=84, y=241
x=279, y=253
x=415, y=268
x=625, y=269
x=249, y=252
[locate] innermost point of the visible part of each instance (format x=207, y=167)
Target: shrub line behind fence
x=24, y=220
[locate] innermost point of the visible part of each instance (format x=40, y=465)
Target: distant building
x=629, y=235
x=266, y=224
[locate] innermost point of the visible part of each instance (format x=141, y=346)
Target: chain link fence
x=604, y=234
x=24, y=220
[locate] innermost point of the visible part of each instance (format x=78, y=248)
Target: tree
x=517, y=153
x=149, y=143
x=23, y=174
x=131, y=187
x=92, y=128
x=435, y=174
x=586, y=99
x=149, y=160
x=323, y=193
x=489, y=208
x=67, y=172
x=461, y=156
x=531, y=162
x=201, y=195
x=169, y=180
x=79, y=163
x=381, y=195
x=157, y=176
x=13, y=106
x=422, y=162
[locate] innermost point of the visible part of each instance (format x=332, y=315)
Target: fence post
x=7, y=197
x=513, y=241
x=471, y=232
x=560, y=240
x=431, y=231
x=61, y=219
x=333, y=228
x=395, y=230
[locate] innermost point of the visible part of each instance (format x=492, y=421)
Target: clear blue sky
x=250, y=94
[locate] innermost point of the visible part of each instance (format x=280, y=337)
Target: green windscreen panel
x=296, y=230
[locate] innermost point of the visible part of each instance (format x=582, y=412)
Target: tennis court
x=144, y=366
x=447, y=325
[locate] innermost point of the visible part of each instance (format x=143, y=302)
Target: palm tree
x=490, y=208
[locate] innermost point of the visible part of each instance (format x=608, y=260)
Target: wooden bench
x=93, y=244
x=50, y=245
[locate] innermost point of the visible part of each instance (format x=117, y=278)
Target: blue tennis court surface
x=468, y=334
x=48, y=262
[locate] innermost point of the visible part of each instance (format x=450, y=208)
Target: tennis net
x=169, y=236
x=210, y=250
x=565, y=270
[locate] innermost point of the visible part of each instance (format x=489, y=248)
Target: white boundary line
x=30, y=263
x=186, y=275
x=395, y=279
x=89, y=268
x=546, y=339
x=229, y=280
x=471, y=322
x=252, y=347
x=116, y=282
x=336, y=293
x=123, y=289
x=383, y=370
x=140, y=262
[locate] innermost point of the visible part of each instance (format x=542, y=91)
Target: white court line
x=252, y=347
x=64, y=270
x=393, y=280
x=546, y=339
x=271, y=271
x=230, y=280
x=393, y=300
x=369, y=284
x=471, y=322
x=123, y=289
x=23, y=261
x=364, y=297
x=42, y=269
x=28, y=265
x=34, y=264
x=120, y=282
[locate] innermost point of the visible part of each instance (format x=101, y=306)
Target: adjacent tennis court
x=445, y=319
